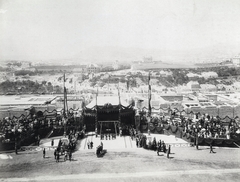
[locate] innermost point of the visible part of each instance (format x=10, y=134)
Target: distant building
x=209, y=74
x=116, y=65
x=148, y=59
x=93, y=68
x=165, y=73
x=236, y=86
x=229, y=88
x=193, y=75
x=194, y=86
x=25, y=64
x=208, y=88
x=236, y=60
x=228, y=63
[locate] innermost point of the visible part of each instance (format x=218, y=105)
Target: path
x=126, y=175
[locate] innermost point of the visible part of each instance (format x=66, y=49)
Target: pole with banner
x=149, y=96
x=149, y=101
x=65, y=107
x=96, y=117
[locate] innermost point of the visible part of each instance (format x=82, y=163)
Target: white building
x=93, y=68
x=192, y=75
x=194, y=86
x=208, y=88
x=209, y=74
x=165, y=73
x=236, y=60
x=236, y=86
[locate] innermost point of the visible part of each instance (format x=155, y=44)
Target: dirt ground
x=184, y=164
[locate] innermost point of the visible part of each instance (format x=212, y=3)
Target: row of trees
x=28, y=86
x=178, y=77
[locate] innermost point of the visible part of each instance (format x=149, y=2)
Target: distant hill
x=215, y=53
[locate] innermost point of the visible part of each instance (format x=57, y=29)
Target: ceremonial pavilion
x=108, y=114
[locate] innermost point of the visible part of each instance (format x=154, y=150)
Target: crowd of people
x=24, y=127
x=204, y=126
x=152, y=144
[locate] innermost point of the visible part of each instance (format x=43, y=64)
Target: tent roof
x=102, y=100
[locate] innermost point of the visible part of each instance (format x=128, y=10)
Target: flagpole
x=119, y=104
x=96, y=117
x=65, y=108
x=119, y=99
x=149, y=96
x=149, y=102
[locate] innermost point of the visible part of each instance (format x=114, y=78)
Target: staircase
x=118, y=143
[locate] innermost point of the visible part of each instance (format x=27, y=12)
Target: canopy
x=103, y=100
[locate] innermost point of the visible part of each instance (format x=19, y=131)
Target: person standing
x=91, y=144
x=55, y=153
x=58, y=157
x=197, y=141
x=164, y=147
x=44, y=152
x=70, y=156
x=158, y=149
x=52, y=142
x=211, y=148
x=168, y=151
x=88, y=144
x=160, y=145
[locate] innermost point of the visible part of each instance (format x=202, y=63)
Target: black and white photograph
x=119, y=90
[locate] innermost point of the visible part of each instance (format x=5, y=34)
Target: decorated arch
x=108, y=114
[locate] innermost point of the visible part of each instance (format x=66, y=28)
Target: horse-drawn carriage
x=64, y=148
x=99, y=150
x=63, y=145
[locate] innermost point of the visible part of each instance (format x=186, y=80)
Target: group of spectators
x=204, y=126
x=151, y=144
x=25, y=127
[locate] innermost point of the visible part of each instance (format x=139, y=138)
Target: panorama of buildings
x=119, y=99
x=216, y=100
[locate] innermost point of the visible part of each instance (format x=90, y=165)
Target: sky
x=81, y=29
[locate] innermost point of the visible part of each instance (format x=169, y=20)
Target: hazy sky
x=62, y=29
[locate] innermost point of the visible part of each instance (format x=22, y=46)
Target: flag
x=149, y=96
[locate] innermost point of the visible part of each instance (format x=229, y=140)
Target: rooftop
x=25, y=100
x=102, y=100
